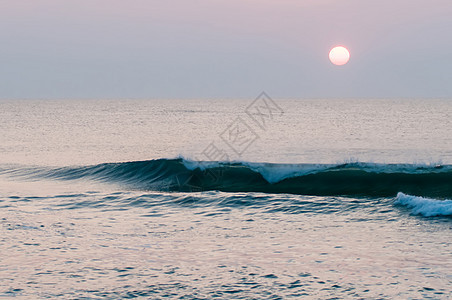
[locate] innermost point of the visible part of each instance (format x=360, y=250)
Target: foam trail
x=425, y=206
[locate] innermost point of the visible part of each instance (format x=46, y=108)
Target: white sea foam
x=271, y=172
x=425, y=206
x=194, y=164
x=276, y=172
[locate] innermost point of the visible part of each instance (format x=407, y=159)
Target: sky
x=224, y=48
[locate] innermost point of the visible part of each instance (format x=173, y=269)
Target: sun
x=339, y=55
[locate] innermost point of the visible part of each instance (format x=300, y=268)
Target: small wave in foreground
x=425, y=206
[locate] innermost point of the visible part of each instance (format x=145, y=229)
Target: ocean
x=230, y=198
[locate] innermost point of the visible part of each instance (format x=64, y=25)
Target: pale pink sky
x=224, y=48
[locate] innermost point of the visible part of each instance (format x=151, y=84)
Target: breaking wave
x=425, y=206
x=352, y=179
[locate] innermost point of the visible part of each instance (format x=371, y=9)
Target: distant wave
x=424, y=206
x=352, y=179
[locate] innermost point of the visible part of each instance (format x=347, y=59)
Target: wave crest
x=354, y=179
x=425, y=206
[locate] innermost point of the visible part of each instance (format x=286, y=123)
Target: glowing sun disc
x=339, y=55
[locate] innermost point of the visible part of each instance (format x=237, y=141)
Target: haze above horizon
x=224, y=49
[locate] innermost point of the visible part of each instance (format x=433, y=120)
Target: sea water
x=244, y=198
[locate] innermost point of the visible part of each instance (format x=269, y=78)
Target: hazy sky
x=224, y=48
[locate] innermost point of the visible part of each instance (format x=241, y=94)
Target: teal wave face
x=357, y=179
